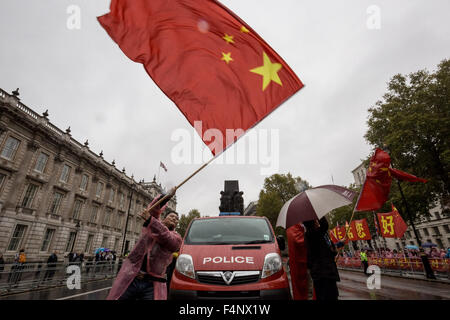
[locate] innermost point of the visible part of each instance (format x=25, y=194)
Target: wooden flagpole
x=177, y=187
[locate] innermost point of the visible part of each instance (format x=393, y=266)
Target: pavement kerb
x=402, y=277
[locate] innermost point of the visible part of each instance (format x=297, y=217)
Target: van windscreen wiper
x=256, y=241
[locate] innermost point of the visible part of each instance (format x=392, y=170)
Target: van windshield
x=223, y=231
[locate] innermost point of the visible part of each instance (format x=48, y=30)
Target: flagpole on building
x=159, y=170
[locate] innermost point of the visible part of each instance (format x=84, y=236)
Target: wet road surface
x=352, y=287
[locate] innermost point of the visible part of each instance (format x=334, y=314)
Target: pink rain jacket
x=158, y=243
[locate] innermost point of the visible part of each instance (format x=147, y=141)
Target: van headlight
x=185, y=266
x=272, y=264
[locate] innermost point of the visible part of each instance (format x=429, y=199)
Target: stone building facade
x=434, y=228
x=56, y=195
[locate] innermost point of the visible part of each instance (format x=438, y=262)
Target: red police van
x=236, y=257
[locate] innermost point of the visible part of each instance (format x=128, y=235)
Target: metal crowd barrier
x=19, y=277
x=403, y=266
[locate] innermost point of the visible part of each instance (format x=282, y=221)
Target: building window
x=425, y=232
x=129, y=225
x=77, y=209
x=71, y=242
x=436, y=231
x=119, y=221
x=2, y=178
x=116, y=244
x=112, y=193
x=98, y=192
x=65, y=174
x=88, y=247
x=132, y=207
x=438, y=216
x=10, y=148
x=121, y=201
x=29, y=195
x=104, y=242
x=107, y=219
x=17, y=237
x=446, y=228
x=56, y=203
x=41, y=163
x=47, y=239
x=94, y=214
x=84, y=182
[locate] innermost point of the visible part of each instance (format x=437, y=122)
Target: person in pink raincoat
x=142, y=276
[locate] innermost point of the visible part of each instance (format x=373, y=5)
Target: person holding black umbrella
x=321, y=259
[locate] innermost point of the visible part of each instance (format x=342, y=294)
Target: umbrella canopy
x=428, y=245
x=314, y=204
x=101, y=250
x=412, y=247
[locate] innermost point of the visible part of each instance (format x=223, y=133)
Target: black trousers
x=326, y=290
x=139, y=290
x=365, y=265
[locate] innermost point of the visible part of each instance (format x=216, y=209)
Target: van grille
x=221, y=278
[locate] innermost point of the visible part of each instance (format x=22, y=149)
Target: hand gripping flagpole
x=170, y=194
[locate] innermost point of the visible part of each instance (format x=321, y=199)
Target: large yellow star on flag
x=269, y=71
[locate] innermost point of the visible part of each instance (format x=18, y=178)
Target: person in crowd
x=434, y=253
x=321, y=254
x=51, y=266
x=364, y=260
x=447, y=255
x=20, y=259
x=298, y=261
x=142, y=275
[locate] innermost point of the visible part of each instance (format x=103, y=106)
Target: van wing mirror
x=281, y=242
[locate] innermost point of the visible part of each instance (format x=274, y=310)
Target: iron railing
x=22, y=277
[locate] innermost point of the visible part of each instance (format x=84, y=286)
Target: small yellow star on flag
x=228, y=38
x=244, y=29
x=227, y=57
x=269, y=71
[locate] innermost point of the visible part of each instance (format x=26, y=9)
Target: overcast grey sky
x=87, y=83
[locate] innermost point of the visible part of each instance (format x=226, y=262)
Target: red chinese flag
x=377, y=185
x=401, y=175
x=209, y=62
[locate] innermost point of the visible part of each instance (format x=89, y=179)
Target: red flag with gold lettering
x=207, y=60
x=392, y=224
x=362, y=231
x=338, y=234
